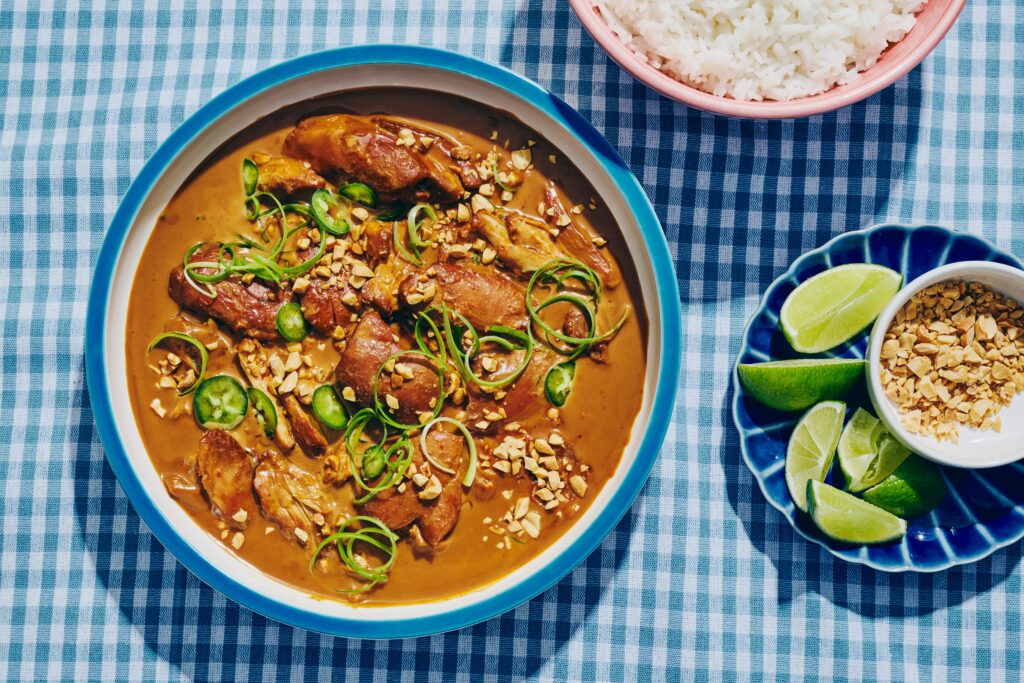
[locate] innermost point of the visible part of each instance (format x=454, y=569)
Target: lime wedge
x=849, y=519
x=915, y=488
x=812, y=447
x=832, y=307
x=868, y=453
x=798, y=384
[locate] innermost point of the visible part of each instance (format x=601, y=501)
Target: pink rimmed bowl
x=933, y=21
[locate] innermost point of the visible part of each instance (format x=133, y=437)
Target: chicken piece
x=580, y=246
x=522, y=244
x=225, y=474
x=381, y=291
x=483, y=295
x=307, y=432
x=324, y=307
x=369, y=346
x=353, y=148
x=248, y=309
x=575, y=325
x=256, y=367
x=379, y=237
x=523, y=399
x=574, y=240
x=291, y=498
x=178, y=486
x=286, y=177
x=436, y=518
x=439, y=518
x=336, y=470
x=468, y=174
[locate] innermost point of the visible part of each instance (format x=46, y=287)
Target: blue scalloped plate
x=984, y=510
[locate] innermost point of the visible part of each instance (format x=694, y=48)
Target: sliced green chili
x=558, y=383
x=250, y=177
x=374, y=461
x=290, y=323
x=321, y=204
x=264, y=410
x=220, y=402
x=359, y=192
x=328, y=407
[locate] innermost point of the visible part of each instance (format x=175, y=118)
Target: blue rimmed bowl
x=984, y=509
x=332, y=72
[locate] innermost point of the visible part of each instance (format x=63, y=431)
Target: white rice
x=760, y=49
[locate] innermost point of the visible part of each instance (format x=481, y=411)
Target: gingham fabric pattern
x=702, y=579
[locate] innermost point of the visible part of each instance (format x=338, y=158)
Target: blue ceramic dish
x=332, y=72
x=984, y=510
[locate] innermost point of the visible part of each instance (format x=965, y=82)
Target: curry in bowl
x=386, y=346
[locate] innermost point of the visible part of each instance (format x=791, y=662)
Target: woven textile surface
x=702, y=579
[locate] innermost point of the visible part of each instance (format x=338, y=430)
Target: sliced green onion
x=264, y=410
x=291, y=324
x=220, y=403
x=186, y=268
x=525, y=339
x=357, y=425
x=320, y=205
x=328, y=407
x=414, y=225
x=358, y=192
x=558, y=383
x=467, y=480
x=229, y=263
x=497, y=180
x=409, y=254
x=397, y=457
x=244, y=241
x=250, y=177
x=204, y=356
x=372, y=532
x=455, y=342
x=495, y=334
x=265, y=267
x=441, y=356
x=307, y=265
x=558, y=273
x=390, y=465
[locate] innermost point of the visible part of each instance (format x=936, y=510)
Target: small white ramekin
x=976, y=449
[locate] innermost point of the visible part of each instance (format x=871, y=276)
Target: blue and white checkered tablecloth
x=702, y=579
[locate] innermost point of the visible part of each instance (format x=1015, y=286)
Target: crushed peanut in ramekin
x=954, y=355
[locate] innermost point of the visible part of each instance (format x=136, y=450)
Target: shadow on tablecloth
x=805, y=567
